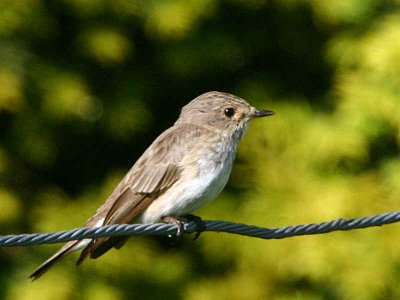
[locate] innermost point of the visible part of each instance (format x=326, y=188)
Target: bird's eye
x=229, y=112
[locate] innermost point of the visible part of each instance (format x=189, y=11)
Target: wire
x=219, y=226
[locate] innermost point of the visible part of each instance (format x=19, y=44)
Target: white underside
x=189, y=193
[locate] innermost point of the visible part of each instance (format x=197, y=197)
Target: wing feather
x=155, y=171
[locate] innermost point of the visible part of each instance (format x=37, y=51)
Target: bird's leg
x=179, y=224
x=200, y=225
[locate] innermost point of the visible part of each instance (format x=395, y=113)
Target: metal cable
x=220, y=226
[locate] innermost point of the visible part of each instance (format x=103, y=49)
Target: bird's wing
x=138, y=194
x=155, y=171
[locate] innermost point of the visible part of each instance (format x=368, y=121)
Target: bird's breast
x=205, y=173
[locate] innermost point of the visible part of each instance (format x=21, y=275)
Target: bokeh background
x=86, y=85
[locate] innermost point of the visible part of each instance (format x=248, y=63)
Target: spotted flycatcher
x=185, y=168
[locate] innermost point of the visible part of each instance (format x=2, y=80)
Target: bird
x=185, y=168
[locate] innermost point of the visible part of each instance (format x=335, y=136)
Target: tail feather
x=44, y=267
x=98, y=247
x=92, y=248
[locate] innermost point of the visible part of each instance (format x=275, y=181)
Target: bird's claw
x=200, y=225
x=180, y=229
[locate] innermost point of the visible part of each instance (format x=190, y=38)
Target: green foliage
x=86, y=85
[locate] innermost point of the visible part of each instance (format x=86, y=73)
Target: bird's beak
x=261, y=113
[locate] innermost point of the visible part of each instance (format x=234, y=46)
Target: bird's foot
x=180, y=229
x=200, y=225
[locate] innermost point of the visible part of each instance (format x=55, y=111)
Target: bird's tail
x=64, y=251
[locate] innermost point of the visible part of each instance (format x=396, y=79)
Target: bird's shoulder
x=172, y=145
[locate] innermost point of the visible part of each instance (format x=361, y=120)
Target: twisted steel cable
x=219, y=226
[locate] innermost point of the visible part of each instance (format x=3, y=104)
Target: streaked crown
x=221, y=111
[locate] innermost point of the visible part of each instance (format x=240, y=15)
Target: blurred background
x=86, y=85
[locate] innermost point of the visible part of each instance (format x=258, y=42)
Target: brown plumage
x=183, y=169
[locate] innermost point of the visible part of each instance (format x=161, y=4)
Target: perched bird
x=185, y=168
